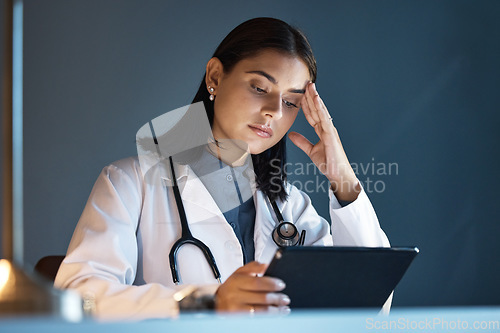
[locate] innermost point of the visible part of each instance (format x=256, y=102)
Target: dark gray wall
x=413, y=83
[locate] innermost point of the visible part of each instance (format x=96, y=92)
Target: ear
x=214, y=73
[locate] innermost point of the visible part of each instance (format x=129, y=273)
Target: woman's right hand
x=246, y=290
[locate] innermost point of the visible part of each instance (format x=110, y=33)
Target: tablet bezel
x=344, y=277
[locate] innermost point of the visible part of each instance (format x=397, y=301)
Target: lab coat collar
x=194, y=193
x=200, y=206
x=193, y=190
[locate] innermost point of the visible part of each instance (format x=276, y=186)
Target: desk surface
x=472, y=319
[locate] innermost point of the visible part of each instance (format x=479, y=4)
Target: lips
x=262, y=130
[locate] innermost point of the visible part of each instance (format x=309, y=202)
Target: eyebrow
x=273, y=80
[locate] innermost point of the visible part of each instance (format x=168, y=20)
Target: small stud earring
x=212, y=97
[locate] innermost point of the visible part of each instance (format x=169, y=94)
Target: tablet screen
x=333, y=277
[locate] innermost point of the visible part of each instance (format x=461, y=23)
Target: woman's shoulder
x=126, y=169
x=126, y=164
x=129, y=165
x=138, y=169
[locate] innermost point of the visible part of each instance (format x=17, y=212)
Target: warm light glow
x=178, y=296
x=5, y=269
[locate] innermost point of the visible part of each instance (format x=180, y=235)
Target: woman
x=259, y=77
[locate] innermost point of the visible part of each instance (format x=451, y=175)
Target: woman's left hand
x=327, y=154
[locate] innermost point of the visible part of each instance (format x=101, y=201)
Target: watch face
x=196, y=301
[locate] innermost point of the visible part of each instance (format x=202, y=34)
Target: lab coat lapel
x=198, y=203
x=218, y=235
x=264, y=226
x=200, y=206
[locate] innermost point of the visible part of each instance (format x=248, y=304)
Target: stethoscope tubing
x=186, y=236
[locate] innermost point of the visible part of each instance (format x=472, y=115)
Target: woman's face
x=258, y=100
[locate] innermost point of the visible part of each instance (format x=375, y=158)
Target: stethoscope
x=284, y=234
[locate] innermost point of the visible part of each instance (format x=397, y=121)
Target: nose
x=273, y=107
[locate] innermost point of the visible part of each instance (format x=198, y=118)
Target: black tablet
x=340, y=277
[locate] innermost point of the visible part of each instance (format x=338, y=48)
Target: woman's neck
x=232, y=152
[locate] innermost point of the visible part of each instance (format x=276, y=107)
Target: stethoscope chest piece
x=286, y=234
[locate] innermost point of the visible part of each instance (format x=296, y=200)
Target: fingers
x=265, y=299
x=308, y=103
x=258, y=283
x=300, y=141
x=252, y=268
x=250, y=278
x=269, y=309
x=307, y=111
x=247, y=290
x=314, y=109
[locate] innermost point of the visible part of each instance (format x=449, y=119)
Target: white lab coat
x=118, y=255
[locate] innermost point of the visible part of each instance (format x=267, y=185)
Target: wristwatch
x=192, y=299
